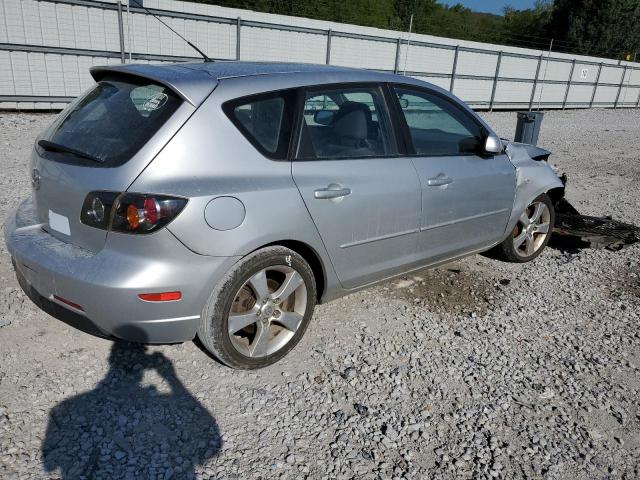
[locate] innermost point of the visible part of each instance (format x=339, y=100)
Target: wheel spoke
x=537, y=213
x=290, y=320
x=517, y=241
x=259, y=284
x=524, y=219
x=258, y=347
x=292, y=281
x=542, y=228
x=530, y=246
x=241, y=320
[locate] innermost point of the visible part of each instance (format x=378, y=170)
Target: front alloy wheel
x=532, y=230
x=531, y=233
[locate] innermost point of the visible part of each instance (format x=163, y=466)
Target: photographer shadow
x=125, y=429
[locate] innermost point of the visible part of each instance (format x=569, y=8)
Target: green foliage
x=597, y=27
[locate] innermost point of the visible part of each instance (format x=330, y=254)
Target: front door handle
x=332, y=191
x=439, y=181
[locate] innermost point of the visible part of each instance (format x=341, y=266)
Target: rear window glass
x=265, y=120
x=112, y=121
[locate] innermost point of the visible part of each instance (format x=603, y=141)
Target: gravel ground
x=477, y=369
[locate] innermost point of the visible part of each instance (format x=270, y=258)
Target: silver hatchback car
x=225, y=200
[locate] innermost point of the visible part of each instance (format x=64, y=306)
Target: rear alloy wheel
x=260, y=311
x=531, y=233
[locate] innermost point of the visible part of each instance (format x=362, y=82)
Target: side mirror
x=323, y=117
x=493, y=144
x=404, y=103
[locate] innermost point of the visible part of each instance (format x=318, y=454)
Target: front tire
x=260, y=310
x=531, y=234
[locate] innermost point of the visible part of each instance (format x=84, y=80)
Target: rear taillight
x=130, y=212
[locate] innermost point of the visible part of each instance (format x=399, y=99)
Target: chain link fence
x=47, y=46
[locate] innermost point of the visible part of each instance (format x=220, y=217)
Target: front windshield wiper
x=57, y=147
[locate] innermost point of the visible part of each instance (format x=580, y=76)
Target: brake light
x=130, y=212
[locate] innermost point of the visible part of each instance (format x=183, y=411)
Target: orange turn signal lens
x=132, y=217
x=160, y=297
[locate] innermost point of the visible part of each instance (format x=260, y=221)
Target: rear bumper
x=106, y=284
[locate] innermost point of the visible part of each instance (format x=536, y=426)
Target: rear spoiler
x=191, y=85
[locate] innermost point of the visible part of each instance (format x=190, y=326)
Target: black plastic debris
x=583, y=231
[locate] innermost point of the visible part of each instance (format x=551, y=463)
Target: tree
x=597, y=27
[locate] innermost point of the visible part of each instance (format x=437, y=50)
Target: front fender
x=533, y=178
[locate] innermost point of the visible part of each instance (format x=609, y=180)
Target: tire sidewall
x=216, y=313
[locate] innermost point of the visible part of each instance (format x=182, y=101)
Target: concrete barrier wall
x=47, y=46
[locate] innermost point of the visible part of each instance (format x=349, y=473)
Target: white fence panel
x=46, y=47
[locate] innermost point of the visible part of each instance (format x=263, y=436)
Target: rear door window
x=437, y=127
x=265, y=120
x=345, y=123
x=112, y=121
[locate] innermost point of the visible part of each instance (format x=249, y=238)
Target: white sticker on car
x=59, y=223
x=155, y=102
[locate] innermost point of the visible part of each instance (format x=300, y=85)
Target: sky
x=491, y=6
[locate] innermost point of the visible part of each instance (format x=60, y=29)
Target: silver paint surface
x=396, y=217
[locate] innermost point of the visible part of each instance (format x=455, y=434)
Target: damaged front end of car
x=572, y=229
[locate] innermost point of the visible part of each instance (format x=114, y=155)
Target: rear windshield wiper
x=57, y=147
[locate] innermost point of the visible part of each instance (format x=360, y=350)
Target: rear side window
x=345, y=123
x=265, y=120
x=436, y=125
x=112, y=121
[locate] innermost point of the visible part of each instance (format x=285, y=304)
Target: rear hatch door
x=102, y=141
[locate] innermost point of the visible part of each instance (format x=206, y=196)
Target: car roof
x=195, y=81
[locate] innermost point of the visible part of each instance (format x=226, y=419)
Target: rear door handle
x=439, y=181
x=332, y=191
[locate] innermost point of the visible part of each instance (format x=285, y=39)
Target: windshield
x=110, y=123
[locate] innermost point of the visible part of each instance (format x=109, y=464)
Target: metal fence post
x=453, y=69
x=328, y=58
x=624, y=74
x=535, y=84
x=566, y=92
x=398, y=46
x=495, y=81
x=595, y=87
x=121, y=32
x=238, y=26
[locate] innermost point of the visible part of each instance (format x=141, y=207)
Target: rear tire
x=260, y=310
x=530, y=235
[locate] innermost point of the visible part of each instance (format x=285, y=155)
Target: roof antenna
x=202, y=54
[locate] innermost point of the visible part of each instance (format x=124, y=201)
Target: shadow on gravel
x=126, y=429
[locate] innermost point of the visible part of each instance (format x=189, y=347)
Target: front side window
x=345, y=123
x=265, y=120
x=437, y=127
x=112, y=121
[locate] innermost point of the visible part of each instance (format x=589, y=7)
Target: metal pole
x=406, y=54
x=238, y=25
x=397, y=64
x=129, y=42
x=495, y=81
x=595, y=87
x=566, y=92
x=544, y=77
x=624, y=74
x=121, y=32
x=453, y=69
x=328, y=58
x=535, y=84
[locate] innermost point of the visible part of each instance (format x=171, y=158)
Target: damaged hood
x=522, y=152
